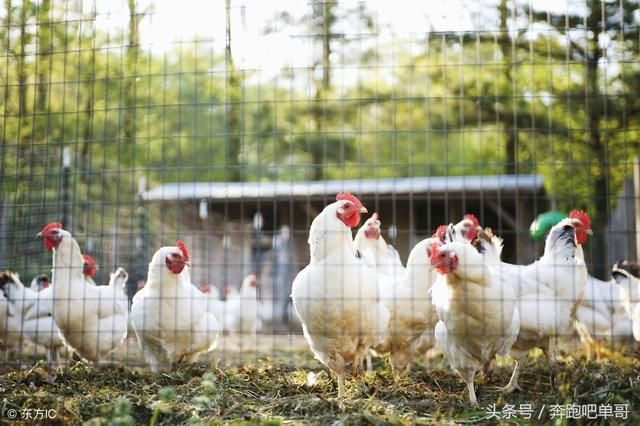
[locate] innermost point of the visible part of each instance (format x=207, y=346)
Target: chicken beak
x=39, y=235
x=187, y=263
x=363, y=210
x=589, y=232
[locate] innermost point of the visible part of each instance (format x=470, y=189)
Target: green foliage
x=442, y=104
x=116, y=414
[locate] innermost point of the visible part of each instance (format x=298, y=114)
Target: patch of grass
x=276, y=390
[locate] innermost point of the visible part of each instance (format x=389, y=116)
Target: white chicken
x=549, y=291
x=9, y=323
x=26, y=314
x=239, y=313
x=92, y=319
x=601, y=316
x=478, y=314
x=211, y=291
x=374, y=250
x=627, y=276
x=464, y=231
x=336, y=296
x=412, y=315
x=169, y=314
x=427, y=341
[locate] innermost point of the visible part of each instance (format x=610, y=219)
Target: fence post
x=636, y=201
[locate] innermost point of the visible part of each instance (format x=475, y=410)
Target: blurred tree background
x=527, y=91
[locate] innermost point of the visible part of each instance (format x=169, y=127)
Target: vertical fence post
x=636, y=201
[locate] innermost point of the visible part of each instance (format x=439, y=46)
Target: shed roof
x=437, y=185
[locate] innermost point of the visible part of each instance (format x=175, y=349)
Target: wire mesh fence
x=231, y=126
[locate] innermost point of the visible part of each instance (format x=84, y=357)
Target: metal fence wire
x=253, y=132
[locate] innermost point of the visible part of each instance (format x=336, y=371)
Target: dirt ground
x=275, y=380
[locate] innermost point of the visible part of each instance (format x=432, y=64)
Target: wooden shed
x=235, y=228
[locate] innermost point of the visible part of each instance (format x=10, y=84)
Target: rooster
x=26, y=314
x=372, y=247
x=169, y=314
x=412, y=315
x=627, y=275
x=549, y=291
x=477, y=311
x=336, y=296
x=92, y=319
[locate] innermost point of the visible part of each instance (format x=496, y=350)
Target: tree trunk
x=22, y=72
x=600, y=216
x=6, y=43
x=510, y=113
x=129, y=126
x=44, y=48
x=232, y=103
x=319, y=112
x=327, y=18
x=595, y=104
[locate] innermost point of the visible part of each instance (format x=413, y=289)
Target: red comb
x=472, y=218
x=440, y=232
x=87, y=258
x=183, y=249
x=374, y=216
x=582, y=216
x=50, y=227
x=348, y=196
x=434, y=251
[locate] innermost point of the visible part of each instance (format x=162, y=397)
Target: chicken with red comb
x=350, y=209
x=583, y=226
x=92, y=319
x=466, y=230
x=89, y=268
x=549, y=292
x=601, y=316
x=478, y=315
x=169, y=315
x=50, y=235
x=336, y=295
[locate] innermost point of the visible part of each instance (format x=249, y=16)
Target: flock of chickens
x=355, y=299
x=172, y=319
